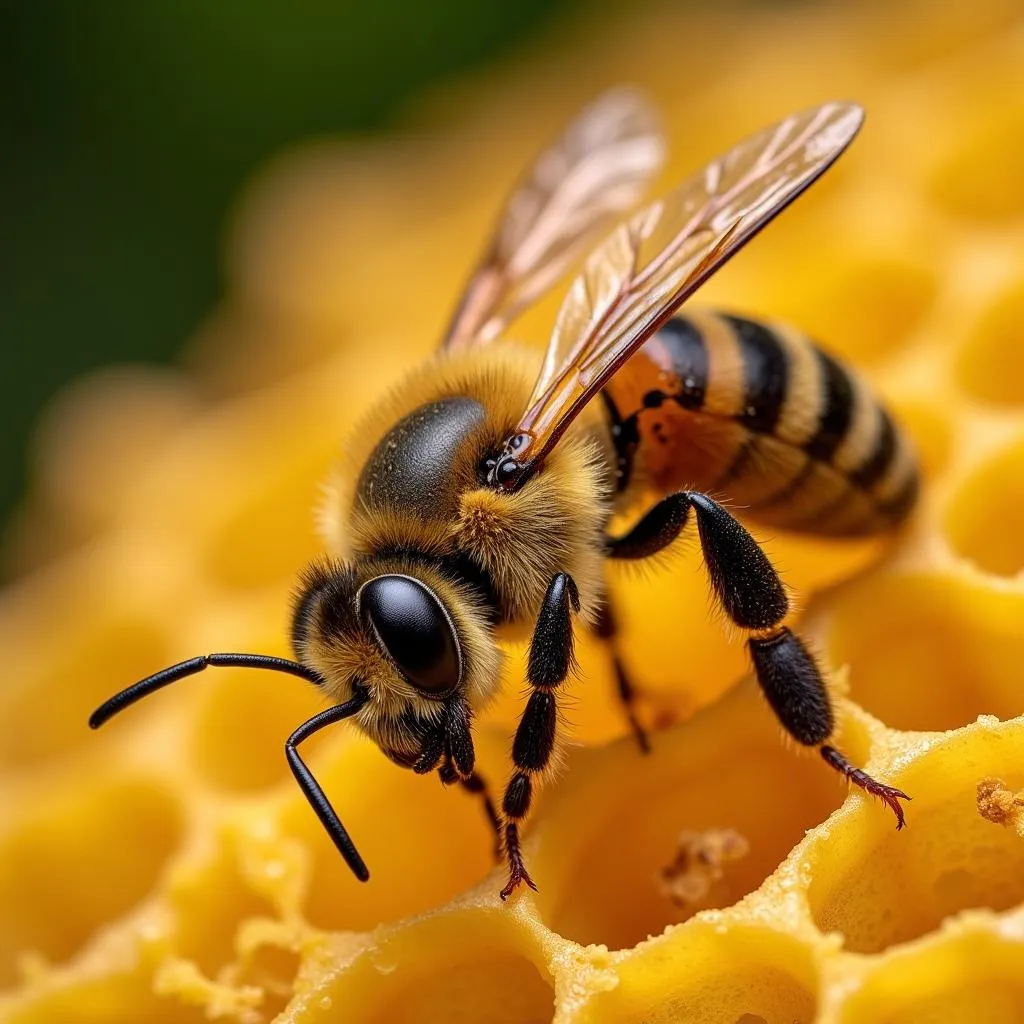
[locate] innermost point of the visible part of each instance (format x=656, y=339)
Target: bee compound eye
x=416, y=631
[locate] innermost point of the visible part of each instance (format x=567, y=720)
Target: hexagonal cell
x=981, y=518
x=961, y=636
x=980, y=175
x=459, y=965
x=735, y=974
x=422, y=843
x=879, y=887
x=675, y=640
x=79, y=862
x=618, y=821
x=975, y=976
x=588, y=701
x=991, y=361
x=668, y=610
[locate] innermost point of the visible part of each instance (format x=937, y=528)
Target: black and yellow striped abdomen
x=759, y=415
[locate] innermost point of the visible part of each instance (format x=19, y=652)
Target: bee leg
x=448, y=743
x=548, y=665
x=607, y=630
x=889, y=794
x=447, y=746
x=752, y=595
x=655, y=531
x=476, y=785
x=750, y=591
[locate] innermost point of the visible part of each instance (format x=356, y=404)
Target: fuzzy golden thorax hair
x=554, y=523
x=330, y=636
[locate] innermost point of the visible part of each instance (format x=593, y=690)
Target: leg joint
x=517, y=796
x=743, y=579
x=793, y=685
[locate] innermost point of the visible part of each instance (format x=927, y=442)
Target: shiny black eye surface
x=415, y=630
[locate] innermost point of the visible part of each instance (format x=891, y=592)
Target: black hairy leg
x=796, y=691
x=547, y=667
x=607, y=630
x=447, y=745
x=654, y=532
x=889, y=794
x=751, y=593
x=744, y=581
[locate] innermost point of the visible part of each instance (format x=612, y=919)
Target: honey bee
x=476, y=500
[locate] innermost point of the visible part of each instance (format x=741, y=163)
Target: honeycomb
x=167, y=869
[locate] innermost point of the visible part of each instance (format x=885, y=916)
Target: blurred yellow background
x=167, y=869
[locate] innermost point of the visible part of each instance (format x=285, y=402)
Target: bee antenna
x=166, y=676
x=311, y=788
x=307, y=783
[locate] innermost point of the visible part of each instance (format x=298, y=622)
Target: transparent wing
x=593, y=174
x=637, y=278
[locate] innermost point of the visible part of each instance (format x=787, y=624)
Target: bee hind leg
x=888, y=794
x=793, y=685
x=752, y=595
x=477, y=786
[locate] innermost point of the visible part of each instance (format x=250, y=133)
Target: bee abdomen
x=760, y=415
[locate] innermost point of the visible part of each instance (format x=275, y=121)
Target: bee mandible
x=476, y=500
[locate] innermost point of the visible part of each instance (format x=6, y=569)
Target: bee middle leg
x=752, y=595
x=547, y=667
x=607, y=629
x=477, y=786
x=655, y=531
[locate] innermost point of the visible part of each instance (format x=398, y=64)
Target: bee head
x=415, y=642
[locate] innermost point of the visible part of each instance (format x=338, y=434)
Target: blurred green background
x=128, y=127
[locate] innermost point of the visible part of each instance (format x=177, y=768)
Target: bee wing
x=633, y=282
x=595, y=172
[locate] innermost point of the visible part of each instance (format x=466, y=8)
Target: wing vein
x=634, y=281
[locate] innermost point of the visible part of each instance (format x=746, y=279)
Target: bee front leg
x=449, y=748
x=550, y=658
